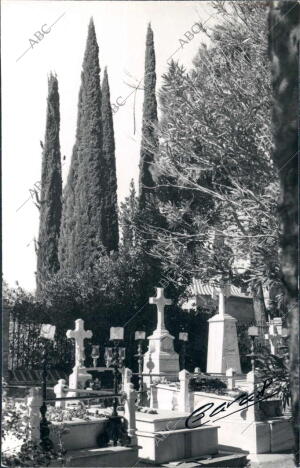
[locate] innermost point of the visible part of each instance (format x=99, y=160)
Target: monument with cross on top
x=164, y=360
x=79, y=375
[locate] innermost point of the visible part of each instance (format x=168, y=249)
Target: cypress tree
x=89, y=230
x=51, y=191
x=66, y=240
x=111, y=234
x=149, y=141
x=128, y=218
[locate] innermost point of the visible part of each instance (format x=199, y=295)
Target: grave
x=223, y=350
x=163, y=437
x=161, y=359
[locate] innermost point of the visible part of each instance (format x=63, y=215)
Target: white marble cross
x=79, y=334
x=160, y=301
x=222, y=291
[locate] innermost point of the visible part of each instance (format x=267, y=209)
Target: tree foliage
x=51, y=191
x=68, y=220
x=284, y=36
x=217, y=184
x=149, y=141
x=111, y=231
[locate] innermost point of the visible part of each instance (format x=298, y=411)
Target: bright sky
x=121, y=31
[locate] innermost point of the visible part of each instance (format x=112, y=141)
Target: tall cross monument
x=223, y=350
x=161, y=358
x=79, y=375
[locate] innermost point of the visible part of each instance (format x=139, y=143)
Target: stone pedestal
x=161, y=357
x=78, y=379
x=223, y=350
x=163, y=438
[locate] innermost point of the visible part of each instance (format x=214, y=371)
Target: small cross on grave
x=160, y=301
x=79, y=334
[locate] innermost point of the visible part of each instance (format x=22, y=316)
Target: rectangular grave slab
x=103, y=457
x=165, y=446
x=82, y=435
x=164, y=420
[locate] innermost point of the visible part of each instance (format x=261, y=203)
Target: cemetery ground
x=97, y=416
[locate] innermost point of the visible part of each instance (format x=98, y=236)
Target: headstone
x=223, y=350
x=60, y=390
x=79, y=376
x=161, y=348
x=230, y=373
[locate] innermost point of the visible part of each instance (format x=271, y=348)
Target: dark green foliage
x=68, y=221
x=51, y=191
x=128, y=218
x=89, y=212
x=149, y=142
x=111, y=233
x=207, y=384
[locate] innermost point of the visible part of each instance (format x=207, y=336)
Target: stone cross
x=223, y=291
x=160, y=301
x=79, y=334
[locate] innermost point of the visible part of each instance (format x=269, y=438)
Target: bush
x=207, y=384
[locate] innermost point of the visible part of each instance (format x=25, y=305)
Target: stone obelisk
x=223, y=351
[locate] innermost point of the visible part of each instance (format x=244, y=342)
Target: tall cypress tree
x=66, y=240
x=149, y=141
x=51, y=191
x=111, y=234
x=89, y=230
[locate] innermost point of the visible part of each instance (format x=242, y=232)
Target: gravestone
x=223, y=350
x=164, y=360
x=79, y=376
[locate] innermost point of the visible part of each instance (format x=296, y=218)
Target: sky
x=43, y=36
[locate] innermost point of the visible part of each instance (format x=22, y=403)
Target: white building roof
x=204, y=289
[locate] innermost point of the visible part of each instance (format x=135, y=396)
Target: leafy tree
x=214, y=164
x=51, y=191
x=111, y=232
x=284, y=53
